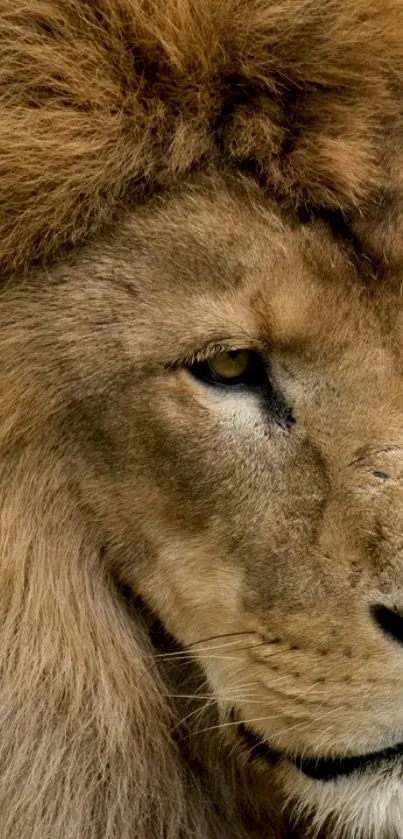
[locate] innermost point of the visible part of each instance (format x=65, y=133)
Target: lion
x=201, y=419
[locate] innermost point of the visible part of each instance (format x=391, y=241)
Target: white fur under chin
x=367, y=806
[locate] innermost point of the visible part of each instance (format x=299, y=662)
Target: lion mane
x=104, y=104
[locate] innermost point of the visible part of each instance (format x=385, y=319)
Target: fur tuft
x=102, y=100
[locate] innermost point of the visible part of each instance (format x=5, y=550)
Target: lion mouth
x=325, y=768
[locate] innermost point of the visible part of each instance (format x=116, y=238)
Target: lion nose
x=389, y=620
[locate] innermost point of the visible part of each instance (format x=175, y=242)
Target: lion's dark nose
x=389, y=620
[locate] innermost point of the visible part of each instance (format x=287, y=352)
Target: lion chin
x=354, y=796
x=201, y=419
x=368, y=805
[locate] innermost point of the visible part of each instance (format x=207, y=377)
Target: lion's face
x=234, y=400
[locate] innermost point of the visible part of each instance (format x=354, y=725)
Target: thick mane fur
x=100, y=101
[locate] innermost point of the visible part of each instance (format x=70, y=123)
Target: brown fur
x=178, y=177
x=102, y=100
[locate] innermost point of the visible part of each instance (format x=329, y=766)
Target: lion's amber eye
x=244, y=370
x=229, y=365
x=232, y=367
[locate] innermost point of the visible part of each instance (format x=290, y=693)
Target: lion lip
x=327, y=769
x=317, y=768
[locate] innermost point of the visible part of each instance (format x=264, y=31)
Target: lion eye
x=232, y=367
x=245, y=369
x=229, y=365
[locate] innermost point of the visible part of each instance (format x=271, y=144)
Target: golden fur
x=179, y=178
x=101, y=99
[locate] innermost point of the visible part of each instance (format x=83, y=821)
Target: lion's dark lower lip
x=326, y=769
x=321, y=769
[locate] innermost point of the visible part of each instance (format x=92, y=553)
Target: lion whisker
x=218, y=637
x=194, y=713
x=188, y=652
x=234, y=723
